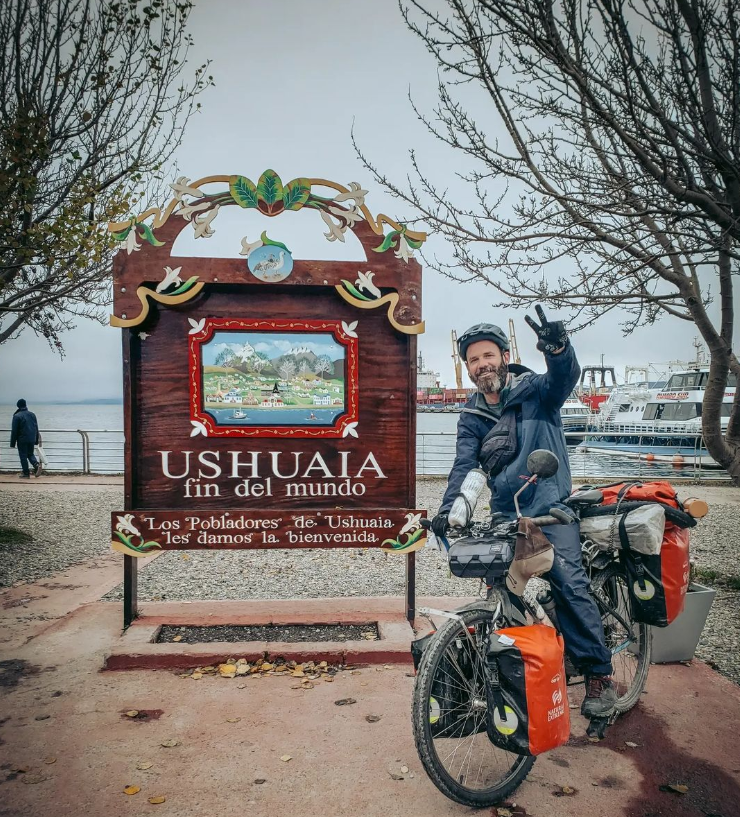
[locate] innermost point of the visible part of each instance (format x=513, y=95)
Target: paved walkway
x=68, y=749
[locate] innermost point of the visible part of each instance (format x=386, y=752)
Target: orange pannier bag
x=657, y=584
x=528, y=710
x=640, y=492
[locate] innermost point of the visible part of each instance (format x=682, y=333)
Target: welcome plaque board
x=269, y=401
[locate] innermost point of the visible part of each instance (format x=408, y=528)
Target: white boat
x=574, y=414
x=658, y=424
x=239, y=415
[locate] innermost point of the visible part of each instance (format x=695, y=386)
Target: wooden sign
x=266, y=389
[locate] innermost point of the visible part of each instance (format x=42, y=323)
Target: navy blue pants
x=25, y=452
x=578, y=614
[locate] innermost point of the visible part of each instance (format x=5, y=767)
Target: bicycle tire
x=610, y=583
x=429, y=674
x=678, y=517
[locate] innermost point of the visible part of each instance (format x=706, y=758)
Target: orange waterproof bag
x=528, y=709
x=657, y=491
x=657, y=584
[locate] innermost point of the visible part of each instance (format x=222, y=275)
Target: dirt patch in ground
x=270, y=632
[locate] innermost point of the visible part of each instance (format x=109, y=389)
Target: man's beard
x=491, y=379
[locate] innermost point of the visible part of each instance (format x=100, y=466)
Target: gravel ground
x=69, y=527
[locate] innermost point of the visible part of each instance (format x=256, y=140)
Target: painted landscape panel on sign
x=259, y=378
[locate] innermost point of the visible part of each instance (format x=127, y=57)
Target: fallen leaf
x=329, y=679
x=345, y=701
x=176, y=638
x=196, y=676
x=260, y=780
x=565, y=791
x=169, y=744
x=132, y=790
x=395, y=776
x=286, y=758
x=242, y=686
x=267, y=666
x=296, y=686
x=50, y=760
x=307, y=685
x=323, y=664
x=404, y=769
x=372, y=718
x=297, y=673
x=227, y=670
x=242, y=669
x=32, y=779
x=132, y=713
x=231, y=660
x=185, y=556
x=675, y=788
x=42, y=717
x=233, y=720
x=631, y=744
x=155, y=801
x=143, y=765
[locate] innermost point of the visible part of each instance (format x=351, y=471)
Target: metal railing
x=435, y=453
x=86, y=451
x=99, y=451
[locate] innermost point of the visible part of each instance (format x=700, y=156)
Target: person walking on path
x=25, y=433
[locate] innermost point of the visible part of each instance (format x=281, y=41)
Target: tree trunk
x=725, y=450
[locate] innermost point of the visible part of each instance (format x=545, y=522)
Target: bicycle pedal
x=596, y=729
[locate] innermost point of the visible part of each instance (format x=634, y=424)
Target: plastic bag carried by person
x=38, y=450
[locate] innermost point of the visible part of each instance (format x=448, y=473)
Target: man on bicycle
x=514, y=412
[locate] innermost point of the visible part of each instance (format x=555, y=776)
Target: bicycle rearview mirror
x=543, y=463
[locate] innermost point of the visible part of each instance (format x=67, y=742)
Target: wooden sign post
x=269, y=402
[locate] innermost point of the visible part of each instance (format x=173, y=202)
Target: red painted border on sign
x=334, y=328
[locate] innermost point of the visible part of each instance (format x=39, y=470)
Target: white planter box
x=677, y=641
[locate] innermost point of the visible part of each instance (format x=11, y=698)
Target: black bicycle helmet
x=482, y=331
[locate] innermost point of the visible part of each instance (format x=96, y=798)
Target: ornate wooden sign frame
x=269, y=401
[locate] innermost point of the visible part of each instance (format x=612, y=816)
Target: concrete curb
x=137, y=647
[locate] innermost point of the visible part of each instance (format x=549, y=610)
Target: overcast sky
x=291, y=77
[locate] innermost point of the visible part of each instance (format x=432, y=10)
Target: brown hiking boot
x=601, y=697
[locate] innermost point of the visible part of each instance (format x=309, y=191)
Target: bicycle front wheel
x=627, y=640
x=449, y=715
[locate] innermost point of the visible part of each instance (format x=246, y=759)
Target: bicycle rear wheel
x=628, y=640
x=449, y=713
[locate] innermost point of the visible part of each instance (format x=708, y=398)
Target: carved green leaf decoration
x=148, y=234
x=123, y=234
x=296, y=193
x=354, y=291
x=184, y=287
x=411, y=538
x=268, y=242
x=144, y=547
x=388, y=242
x=412, y=243
x=270, y=188
x=243, y=191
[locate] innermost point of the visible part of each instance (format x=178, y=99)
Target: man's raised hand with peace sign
x=551, y=335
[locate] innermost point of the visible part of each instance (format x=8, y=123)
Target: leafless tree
x=322, y=364
x=619, y=169
x=93, y=102
x=287, y=369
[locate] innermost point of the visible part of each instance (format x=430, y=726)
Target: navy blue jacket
x=537, y=399
x=25, y=428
